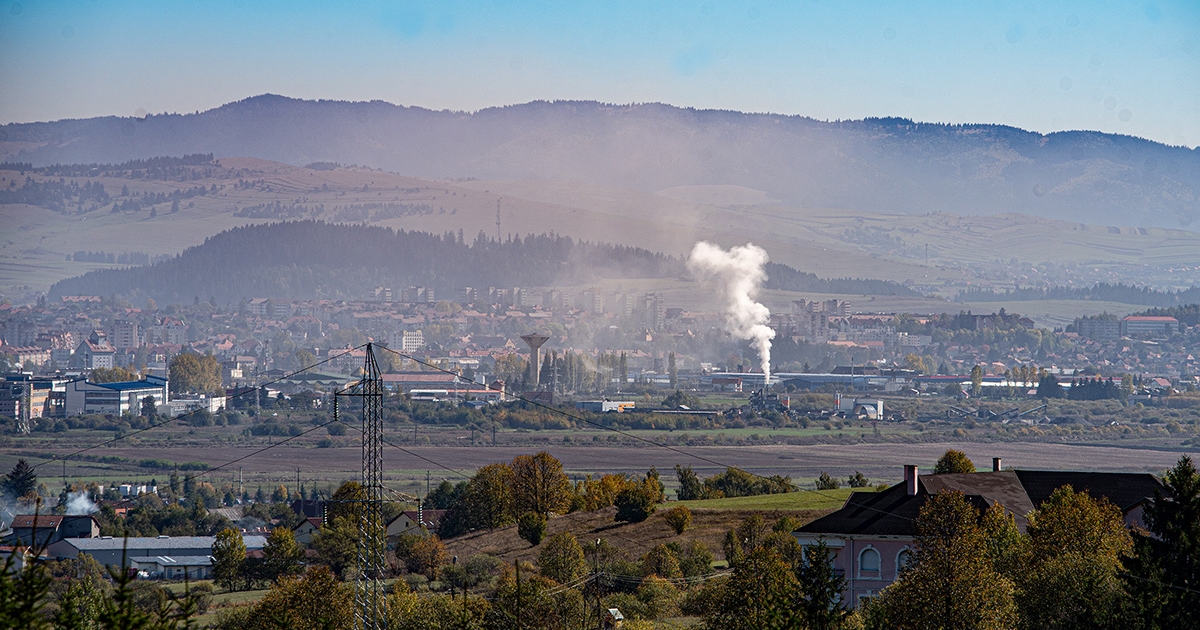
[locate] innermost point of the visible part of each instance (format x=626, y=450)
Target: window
x=868, y=561
x=903, y=560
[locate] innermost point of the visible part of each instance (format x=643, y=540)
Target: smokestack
x=997, y=464
x=535, y=342
x=910, y=479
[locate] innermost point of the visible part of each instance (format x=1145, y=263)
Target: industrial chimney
x=535, y=342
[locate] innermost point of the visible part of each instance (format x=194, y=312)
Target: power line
x=581, y=419
x=185, y=415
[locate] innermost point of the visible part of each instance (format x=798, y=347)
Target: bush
x=634, y=504
x=203, y=595
x=336, y=429
x=679, y=518
x=825, y=482
x=532, y=528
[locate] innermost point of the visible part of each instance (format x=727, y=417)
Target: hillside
x=634, y=539
x=315, y=260
x=874, y=165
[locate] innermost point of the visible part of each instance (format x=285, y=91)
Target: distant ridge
x=316, y=260
x=872, y=165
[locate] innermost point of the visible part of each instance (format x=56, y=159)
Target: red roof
x=51, y=521
x=1149, y=318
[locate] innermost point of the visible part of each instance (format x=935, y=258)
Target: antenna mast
x=497, y=219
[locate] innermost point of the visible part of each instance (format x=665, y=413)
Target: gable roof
x=893, y=512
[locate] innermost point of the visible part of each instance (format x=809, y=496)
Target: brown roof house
x=43, y=529
x=872, y=534
x=411, y=522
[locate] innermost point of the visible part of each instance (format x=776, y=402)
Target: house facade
x=44, y=529
x=873, y=534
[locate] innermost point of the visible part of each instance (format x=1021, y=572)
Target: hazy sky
x=1116, y=66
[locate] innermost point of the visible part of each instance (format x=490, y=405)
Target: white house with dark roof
x=872, y=534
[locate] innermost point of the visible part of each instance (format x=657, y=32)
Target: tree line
x=1104, y=291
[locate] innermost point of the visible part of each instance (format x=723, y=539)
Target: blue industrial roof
x=150, y=382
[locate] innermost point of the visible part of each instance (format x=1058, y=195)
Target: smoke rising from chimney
x=737, y=275
x=78, y=504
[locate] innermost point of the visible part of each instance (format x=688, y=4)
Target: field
x=411, y=465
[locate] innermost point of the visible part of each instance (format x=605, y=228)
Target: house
x=43, y=529
x=872, y=534
x=110, y=551
x=411, y=522
x=115, y=398
x=303, y=533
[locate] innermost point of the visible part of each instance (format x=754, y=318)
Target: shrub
x=825, y=482
x=634, y=504
x=532, y=528
x=679, y=518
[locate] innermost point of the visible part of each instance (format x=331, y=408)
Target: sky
x=1114, y=66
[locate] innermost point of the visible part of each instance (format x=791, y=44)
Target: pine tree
x=21, y=481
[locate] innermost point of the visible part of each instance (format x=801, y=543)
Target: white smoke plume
x=737, y=275
x=78, y=504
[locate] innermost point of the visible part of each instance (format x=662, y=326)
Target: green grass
x=802, y=500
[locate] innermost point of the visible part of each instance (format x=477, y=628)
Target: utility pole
x=596, y=571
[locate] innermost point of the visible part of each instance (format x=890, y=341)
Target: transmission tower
x=370, y=606
x=25, y=419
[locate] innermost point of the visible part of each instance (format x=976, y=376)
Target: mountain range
x=887, y=165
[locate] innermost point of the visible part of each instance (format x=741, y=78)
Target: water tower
x=535, y=342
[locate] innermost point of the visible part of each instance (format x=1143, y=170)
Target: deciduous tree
x=540, y=485
x=229, y=558
x=953, y=461
x=1070, y=578
x=951, y=583
x=561, y=558
x=191, y=372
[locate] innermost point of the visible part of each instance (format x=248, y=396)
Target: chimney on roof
x=910, y=479
x=997, y=464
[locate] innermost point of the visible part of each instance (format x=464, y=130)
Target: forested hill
x=889, y=165
x=1103, y=291
x=315, y=260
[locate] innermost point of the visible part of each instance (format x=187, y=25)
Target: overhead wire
x=182, y=416
x=599, y=425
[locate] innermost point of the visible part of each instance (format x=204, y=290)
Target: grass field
x=802, y=500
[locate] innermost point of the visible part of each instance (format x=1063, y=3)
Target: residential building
x=44, y=529
x=303, y=533
x=412, y=521
x=873, y=533
x=125, y=335
x=1147, y=326
x=95, y=352
x=1099, y=327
